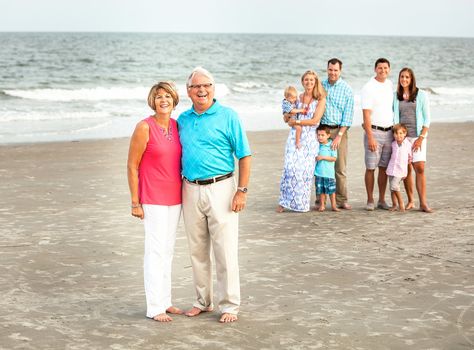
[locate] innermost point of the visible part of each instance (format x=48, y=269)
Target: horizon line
x=230, y=33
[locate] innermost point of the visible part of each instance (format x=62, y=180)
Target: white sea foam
x=460, y=91
x=98, y=93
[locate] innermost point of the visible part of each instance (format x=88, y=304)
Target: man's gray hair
x=200, y=71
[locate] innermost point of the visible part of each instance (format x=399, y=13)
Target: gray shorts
x=381, y=156
x=395, y=182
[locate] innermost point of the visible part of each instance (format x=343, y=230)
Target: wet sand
x=71, y=258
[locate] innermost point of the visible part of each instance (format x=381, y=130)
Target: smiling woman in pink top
x=154, y=178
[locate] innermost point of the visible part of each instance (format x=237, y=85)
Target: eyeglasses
x=198, y=86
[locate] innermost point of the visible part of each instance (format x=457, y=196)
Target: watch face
x=243, y=189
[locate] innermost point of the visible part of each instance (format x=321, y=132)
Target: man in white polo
x=377, y=100
x=211, y=135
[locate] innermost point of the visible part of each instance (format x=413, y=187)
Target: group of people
x=396, y=128
x=187, y=165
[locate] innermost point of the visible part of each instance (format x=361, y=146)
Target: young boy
x=398, y=166
x=324, y=172
x=288, y=106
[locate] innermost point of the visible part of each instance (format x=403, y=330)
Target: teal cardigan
x=422, y=111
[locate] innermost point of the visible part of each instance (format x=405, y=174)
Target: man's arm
x=371, y=142
x=240, y=198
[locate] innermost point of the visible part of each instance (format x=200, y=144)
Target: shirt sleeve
x=238, y=137
x=286, y=106
x=348, y=112
x=366, y=97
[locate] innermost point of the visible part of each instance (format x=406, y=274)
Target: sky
x=451, y=18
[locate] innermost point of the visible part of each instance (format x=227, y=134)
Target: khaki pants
x=209, y=221
x=340, y=167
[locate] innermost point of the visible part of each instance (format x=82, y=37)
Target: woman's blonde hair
x=169, y=87
x=318, y=90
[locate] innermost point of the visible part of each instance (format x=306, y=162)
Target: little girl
x=398, y=166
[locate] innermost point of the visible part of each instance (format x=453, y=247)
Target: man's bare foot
x=280, y=209
x=410, y=205
x=174, y=310
x=335, y=209
x=196, y=311
x=228, y=318
x=392, y=208
x=321, y=208
x=162, y=318
x=426, y=209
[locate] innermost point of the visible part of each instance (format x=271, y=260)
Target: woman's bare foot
x=280, y=209
x=392, y=209
x=426, y=209
x=174, y=310
x=321, y=208
x=335, y=209
x=410, y=205
x=196, y=311
x=228, y=318
x=162, y=318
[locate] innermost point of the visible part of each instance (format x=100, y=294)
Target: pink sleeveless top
x=159, y=173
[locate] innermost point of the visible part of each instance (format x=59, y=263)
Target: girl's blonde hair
x=291, y=91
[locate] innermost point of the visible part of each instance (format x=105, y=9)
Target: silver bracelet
x=136, y=206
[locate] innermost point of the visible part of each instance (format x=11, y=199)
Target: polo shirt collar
x=212, y=110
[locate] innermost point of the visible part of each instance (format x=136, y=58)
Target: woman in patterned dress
x=297, y=178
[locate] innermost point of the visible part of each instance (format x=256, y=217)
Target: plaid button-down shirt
x=339, y=104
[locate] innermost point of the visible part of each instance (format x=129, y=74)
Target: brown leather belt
x=211, y=180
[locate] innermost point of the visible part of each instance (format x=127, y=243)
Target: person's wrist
x=135, y=205
x=340, y=133
x=242, y=189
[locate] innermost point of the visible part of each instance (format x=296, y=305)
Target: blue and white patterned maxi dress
x=298, y=171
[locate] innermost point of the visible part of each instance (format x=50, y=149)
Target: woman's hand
x=138, y=212
x=417, y=144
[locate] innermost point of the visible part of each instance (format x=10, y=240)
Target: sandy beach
x=71, y=258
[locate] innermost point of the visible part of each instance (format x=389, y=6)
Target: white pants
x=160, y=234
x=209, y=220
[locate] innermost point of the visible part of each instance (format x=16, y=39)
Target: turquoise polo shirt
x=210, y=140
x=325, y=168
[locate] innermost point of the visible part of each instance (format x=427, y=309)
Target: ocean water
x=70, y=86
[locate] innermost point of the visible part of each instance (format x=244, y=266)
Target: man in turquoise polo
x=211, y=135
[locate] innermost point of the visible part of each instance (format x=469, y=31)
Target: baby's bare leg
x=298, y=130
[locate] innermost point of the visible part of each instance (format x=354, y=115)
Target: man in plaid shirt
x=338, y=116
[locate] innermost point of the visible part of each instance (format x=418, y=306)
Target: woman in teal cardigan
x=411, y=107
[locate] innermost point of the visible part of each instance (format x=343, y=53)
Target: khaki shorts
x=381, y=156
x=395, y=182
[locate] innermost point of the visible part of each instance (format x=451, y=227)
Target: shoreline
x=71, y=273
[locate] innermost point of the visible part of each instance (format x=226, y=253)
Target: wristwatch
x=242, y=189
